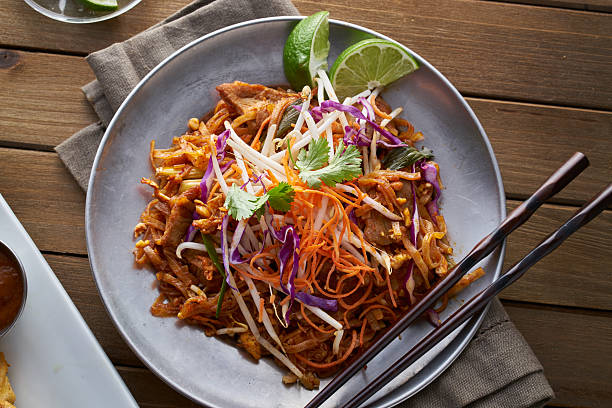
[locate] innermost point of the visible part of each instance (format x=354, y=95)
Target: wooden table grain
x=538, y=74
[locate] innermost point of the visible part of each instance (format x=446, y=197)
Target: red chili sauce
x=11, y=289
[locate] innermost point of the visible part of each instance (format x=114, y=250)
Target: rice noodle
x=307, y=137
x=188, y=245
x=305, y=105
x=337, y=340
x=255, y=331
x=231, y=330
x=268, y=146
x=265, y=318
x=371, y=202
x=332, y=94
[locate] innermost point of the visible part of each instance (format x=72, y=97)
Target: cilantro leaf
x=345, y=165
x=315, y=157
x=281, y=197
x=241, y=204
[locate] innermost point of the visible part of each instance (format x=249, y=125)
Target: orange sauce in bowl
x=11, y=289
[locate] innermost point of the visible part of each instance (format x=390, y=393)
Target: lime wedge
x=100, y=5
x=306, y=50
x=368, y=64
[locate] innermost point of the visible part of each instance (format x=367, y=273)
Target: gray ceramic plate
x=211, y=371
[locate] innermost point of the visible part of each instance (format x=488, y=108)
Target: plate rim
x=475, y=321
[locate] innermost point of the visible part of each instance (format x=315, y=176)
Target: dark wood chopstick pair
x=561, y=178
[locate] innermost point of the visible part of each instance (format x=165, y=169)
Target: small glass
x=73, y=11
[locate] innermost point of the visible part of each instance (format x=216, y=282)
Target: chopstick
x=555, y=183
x=589, y=211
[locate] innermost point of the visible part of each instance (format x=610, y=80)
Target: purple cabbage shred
x=206, y=183
x=430, y=175
x=331, y=305
x=330, y=106
x=355, y=137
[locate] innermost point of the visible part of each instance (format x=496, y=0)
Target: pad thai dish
x=297, y=224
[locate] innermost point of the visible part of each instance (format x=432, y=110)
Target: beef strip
x=181, y=215
x=243, y=97
x=378, y=229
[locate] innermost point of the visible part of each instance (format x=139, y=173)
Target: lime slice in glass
x=100, y=5
x=306, y=50
x=368, y=64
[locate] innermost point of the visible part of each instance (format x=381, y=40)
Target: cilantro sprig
x=344, y=165
x=241, y=204
x=316, y=155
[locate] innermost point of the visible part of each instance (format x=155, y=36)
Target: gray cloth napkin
x=497, y=369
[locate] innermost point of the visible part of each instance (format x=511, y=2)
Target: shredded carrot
x=258, y=134
x=261, y=255
x=362, y=332
x=360, y=301
x=272, y=278
x=216, y=186
x=378, y=111
x=340, y=196
x=390, y=290
x=376, y=307
x=261, y=310
x=272, y=176
x=310, y=321
x=152, y=153
x=237, y=169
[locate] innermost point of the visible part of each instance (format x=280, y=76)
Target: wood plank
x=544, y=136
x=531, y=141
x=41, y=99
x=32, y=182
x=505, y=51
x=45, y=198
x=488, y=49
x=75, y=275
x=149, y=391
x=566, y=343
x=574, y=275
x=590, y=5
x=574, y=349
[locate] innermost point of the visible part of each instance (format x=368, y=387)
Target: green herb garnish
x=315, y=157
x=281, y=197
x=344, y=165
x=242, y=204
x=402, y=157
x=212, y=254
x=289, y=118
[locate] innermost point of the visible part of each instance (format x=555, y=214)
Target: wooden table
x=538, y=74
